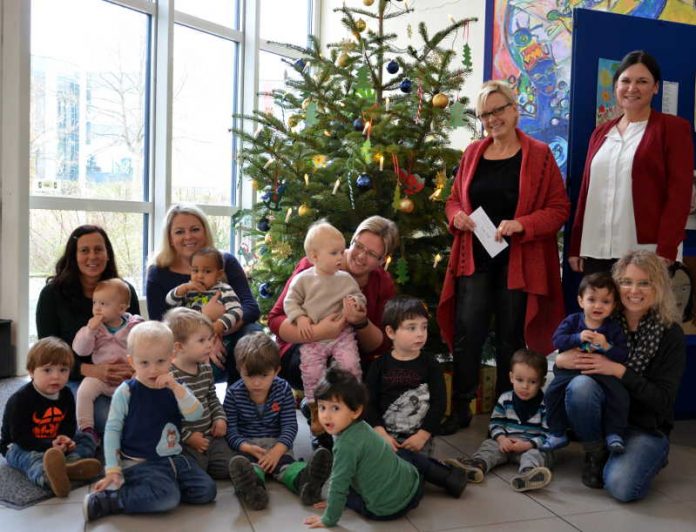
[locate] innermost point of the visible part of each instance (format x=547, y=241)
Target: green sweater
x=365, y=462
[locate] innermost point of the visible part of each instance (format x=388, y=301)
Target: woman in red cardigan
x=516, y=180
x=636, y=186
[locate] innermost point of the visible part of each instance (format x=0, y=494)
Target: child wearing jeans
x=261, y=429
x=39, y=435
x=204, y=438
x=314, y=294
x=104, y=338
x=517, y=428
x=367, y=476
x=592, y=330
x=146, y=471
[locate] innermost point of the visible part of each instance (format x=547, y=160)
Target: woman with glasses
x=651, y=373
x=374, y=239
x=636, y=186
x=516, y=181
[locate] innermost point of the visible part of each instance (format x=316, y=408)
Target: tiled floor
x=566, y=505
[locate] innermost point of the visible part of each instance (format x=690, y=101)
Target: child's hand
x=166, y=380
x=417, y=441
x=219, y=428
x=600, y=341
x=505, y=444
x=254, y=450
x=319, y=505
x=520, y=446
x=270, y=459
x=218, y=354
x=314, y=521
x=219, y=328
x=191, y=286
x=388, y=438
x=304, y=327
x=111, y=479
x=63, y=443
x=198, y=442
x=587, y=336
x=95, y=322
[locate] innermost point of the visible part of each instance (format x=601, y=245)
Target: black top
x=495, y=187
x=33, y=421
x=59, y=316
x=405, y=396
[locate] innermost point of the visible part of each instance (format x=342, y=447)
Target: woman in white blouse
x=636, y=186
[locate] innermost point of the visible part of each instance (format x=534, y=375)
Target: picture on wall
x=530, y=47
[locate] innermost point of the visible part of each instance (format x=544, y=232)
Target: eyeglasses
x=361, y=249
x=640, y=285
x=495, y=112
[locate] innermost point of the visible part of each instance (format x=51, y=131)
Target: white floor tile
x=640, y=517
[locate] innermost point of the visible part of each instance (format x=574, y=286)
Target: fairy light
x=336, y=185
x=381, y=162
x=288, y=214
x=268, y=163
x=387, y=262
x=436, y=260
x=306, y=180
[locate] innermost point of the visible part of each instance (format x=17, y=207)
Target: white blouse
x=609, y=226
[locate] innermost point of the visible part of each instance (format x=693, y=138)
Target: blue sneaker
x=553, y=442
x=615, y=444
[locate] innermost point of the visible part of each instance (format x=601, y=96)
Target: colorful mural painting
x=531, y=47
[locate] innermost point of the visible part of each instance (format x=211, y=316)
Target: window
x=286, y=21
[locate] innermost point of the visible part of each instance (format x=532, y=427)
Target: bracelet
x=361, y=325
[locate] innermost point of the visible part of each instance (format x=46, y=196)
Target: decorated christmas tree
x=360, y=130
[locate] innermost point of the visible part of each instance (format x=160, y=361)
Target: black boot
x=100, y=504
x=593, y=467
x=450, y=478
x=312, y=478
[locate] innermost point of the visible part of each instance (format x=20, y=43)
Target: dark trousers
x=591, y=265
x=356, y=503
x=616, y=403
x=480, y=297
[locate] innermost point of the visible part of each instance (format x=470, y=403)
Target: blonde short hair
x=318, y=230
x=165, y=254
x=383, y=228
x=490, y=87
x=665, y=305
x=149, y=332
x=118, y=286
x=183, y=322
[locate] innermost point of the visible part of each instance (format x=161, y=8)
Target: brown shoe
x=83, y=469
x=55, y=472
x=314, y=426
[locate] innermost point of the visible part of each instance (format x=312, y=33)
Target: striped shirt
x=506, y=422
x=244, y=421
x=202, y=385
x=196, y=300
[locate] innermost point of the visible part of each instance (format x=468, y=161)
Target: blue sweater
x=506, y=421
x=277, y=421
x=567, y=336
x=161, y=280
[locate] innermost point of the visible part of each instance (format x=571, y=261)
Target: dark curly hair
x=339, y=384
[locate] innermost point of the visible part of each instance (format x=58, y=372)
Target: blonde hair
x=183, y=322
x=149, y=332
x=318, y=230
x=491, y=87
x=49, y=350
x=665, y=305
x=118, y=286
x=383, y=228
x=165, y=254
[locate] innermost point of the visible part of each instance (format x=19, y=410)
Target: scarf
x=526, y=409
x=644, y=342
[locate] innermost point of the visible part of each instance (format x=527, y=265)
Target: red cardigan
x=662, y=175
x=542, y=208
x=378, y=290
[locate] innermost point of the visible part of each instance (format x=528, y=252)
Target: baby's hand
x=198, y=442
x=95, y=322
x=166, y=380
x=314, y=521
x=505, y=444
x=111, y=479
x=219, y=428
x=600, y=341
x=587, y=335
x=63, y=443
x=219, y=328
x=304, y=327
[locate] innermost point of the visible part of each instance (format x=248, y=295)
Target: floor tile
x=552, y=524
x=640, y=517
x=54, y=517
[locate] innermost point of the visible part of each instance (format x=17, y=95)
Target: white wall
x=435, y=14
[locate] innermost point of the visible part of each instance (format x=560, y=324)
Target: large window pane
x=285, y=21
x=273, y=70
x=202, y=115
x=223, y=12
x=49, y=231
x=221, y=228
x=88, y=90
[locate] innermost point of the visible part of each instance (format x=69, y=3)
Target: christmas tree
x=360, y=130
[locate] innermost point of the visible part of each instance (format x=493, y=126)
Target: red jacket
x=378, y=290
x=542, y=208
x=662, y=174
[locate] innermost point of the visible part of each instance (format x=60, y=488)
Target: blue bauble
x=264, y=224
x=263, y=249
x=265, y=290
x=299, y=65
x=358, y=124
x=266, y=196
x=282, y=187
x=364, y=182
x=406, y=86
x=392, y=67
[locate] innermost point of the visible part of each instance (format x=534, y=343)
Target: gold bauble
x=406, y=205
x=268, y=238
x=342, y=60
x=293, y=120
x=306, y=103
x=368, y=2
x=304, y=210
x=254, y=184
x=360, y=25
x=440, y=100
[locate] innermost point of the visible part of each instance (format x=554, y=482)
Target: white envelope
x=485, y=232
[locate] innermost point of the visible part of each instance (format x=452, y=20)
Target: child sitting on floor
x=261, y=429
x=517, y=428
x=104, y=338
x=146, y=471
x=314, y=294
x=39, y=435
x=204, y=439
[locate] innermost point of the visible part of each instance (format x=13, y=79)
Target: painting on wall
x=530, y=47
